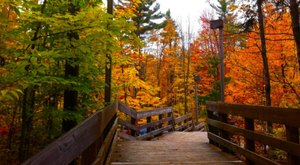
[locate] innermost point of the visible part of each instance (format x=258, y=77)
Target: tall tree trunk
x=28, y=104
x=27, y=116
x=184, y=73
x=264, y=57
x=186, y=81
x=296, y=27
x=108, y=66
x=71, y=70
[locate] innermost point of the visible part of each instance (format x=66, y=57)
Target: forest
x=61, y=61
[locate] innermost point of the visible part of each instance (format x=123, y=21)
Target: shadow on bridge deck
x=172, y=148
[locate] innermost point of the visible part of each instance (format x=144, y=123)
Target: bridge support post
x=292, y=134
x=133, y=132
x=249, y=125
x=224, y=134
x=212, y=129
x=149, y=121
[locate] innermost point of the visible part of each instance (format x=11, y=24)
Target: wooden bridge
x=104, y=138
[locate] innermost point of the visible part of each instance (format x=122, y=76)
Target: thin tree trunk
x=124, y=86
x=71, y=70
x=27, y=116
x=184, y=73
x=108, y=66
x=294, y=12
x=186, y=86
x=265, y=58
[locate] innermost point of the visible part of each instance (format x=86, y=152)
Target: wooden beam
x=129, y=125
x=155, y=123
x=287, y=146
x=69, y=146
x=155, y=132
x=128, y=111
x=287, y=116
x=145, y=114
x=126, y=136
x=113, y=146
x=185, y=125
x=102, y=154
x=182, y=118
x=199, y=126
x=248, y=154
x=292, y=135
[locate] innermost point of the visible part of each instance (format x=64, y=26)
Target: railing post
x=292, y=135
x=149, y=129
x=223, y=118
x=160, y=117
x=250, y=145
x=171, y=122
x=133, y=132
x=211, y=129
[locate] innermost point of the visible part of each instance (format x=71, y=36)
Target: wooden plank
x=126, y=136
x=185, y=125
x=177, y=148
x=128, y=125
x=287, y=116
x=155, y=123
x=73, y=143
x=149, y=129
x=199, y=126
x=160, y=117
x=90, y=154
x=287, y=146
x=128, y=111
x=188, y=129
x=292, y=135
x=133, y=122
x=182, y=118
x=155, y=132
x=145, y=114
x=179, y=128
x=102, y=154
x=113, y=146
x=171, y=122
x=248, y=154
x=211, y=129
x=250, y=145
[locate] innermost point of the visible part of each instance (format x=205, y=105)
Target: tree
x=294, y=11
x=146, y=15
x=44, y=49
x=108, y=67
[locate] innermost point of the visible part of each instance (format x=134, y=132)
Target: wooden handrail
x=84, y=141
x=92, y=141
x=166, y=122
x=159, y=111
x=286, y=116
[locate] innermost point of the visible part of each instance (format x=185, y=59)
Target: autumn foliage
x=153, y=65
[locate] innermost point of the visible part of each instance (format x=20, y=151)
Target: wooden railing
x=88, y=143
x=219, y=130
x=183, y=123
x=150, y=129
x=92, y=141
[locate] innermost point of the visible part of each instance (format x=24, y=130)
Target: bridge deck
x=173, y=148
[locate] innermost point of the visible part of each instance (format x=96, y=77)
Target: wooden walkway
x=172, y=148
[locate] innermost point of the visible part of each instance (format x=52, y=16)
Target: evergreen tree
x=146, y=16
